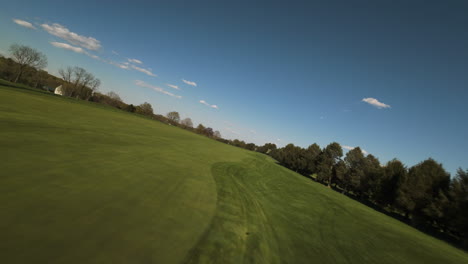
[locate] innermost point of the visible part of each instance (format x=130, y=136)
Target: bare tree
x=217, y=134
x=27, y=57
x=114, y=96
x=187, y=122
x=78, y=82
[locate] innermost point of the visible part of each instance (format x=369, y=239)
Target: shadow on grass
x=23, y=87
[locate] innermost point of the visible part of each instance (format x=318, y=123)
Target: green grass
x=84, y=183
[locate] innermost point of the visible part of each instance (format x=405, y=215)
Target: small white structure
x=58, y=90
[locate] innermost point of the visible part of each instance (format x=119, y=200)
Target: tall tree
x=293, y=158
x=115, y=96
x=392, y=175
x=328, y=158
x=355, y=162
x=115, y=99
x=372, y=176
x=78, y=82
x=208, y=132
x=27, y=57
x=339, y=172
x=145, y=109
x=424, y=181
x=311, y=154
x=173, y=116
x=459, y=206
x=200, y=129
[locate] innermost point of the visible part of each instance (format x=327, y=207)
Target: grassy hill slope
x=83, y=183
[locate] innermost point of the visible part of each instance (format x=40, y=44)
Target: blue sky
x=282, y=72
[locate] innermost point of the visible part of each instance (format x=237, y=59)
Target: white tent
x=58, y=90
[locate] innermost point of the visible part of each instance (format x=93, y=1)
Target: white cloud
x=67, y=46
x=24, y=23
x=207, y=104
x=278, y=139
x=189, y=82
x=156, y=88
x=173, y=86
x=135, y=61
x=75, y=39
x=93, y=56
x=350, y=148
x=375, y=102
x=120, y=65
x=145, y=71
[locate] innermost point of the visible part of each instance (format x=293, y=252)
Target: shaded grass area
x=84, y=183
x=20, y=86
x=267, y=214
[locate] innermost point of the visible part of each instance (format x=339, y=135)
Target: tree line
x=25, y=65
x=424, y=195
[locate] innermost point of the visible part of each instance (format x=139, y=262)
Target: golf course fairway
x=85, y=183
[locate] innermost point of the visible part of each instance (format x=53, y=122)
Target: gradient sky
x=282, y=72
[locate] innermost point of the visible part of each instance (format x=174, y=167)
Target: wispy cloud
x=124, y=65
x=375, y=102
x=93, y=56
x=127, y=66
x=351, y=148
x=24, y=23
x=253, y=131
x=229, y=129
x=145, y=71
x=74, y=38
x=156, y=88
x=228, y=123
x=67, y=46
x=173, y=86
x=115, y=53
x=189, y=82
x=135, y=61
x=209, y=105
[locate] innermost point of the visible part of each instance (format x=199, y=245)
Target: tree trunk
x=19, y=75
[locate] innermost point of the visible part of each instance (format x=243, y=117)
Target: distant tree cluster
x=424, y=194
x=25, y=65
x=27, y=57
x=78, y=83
